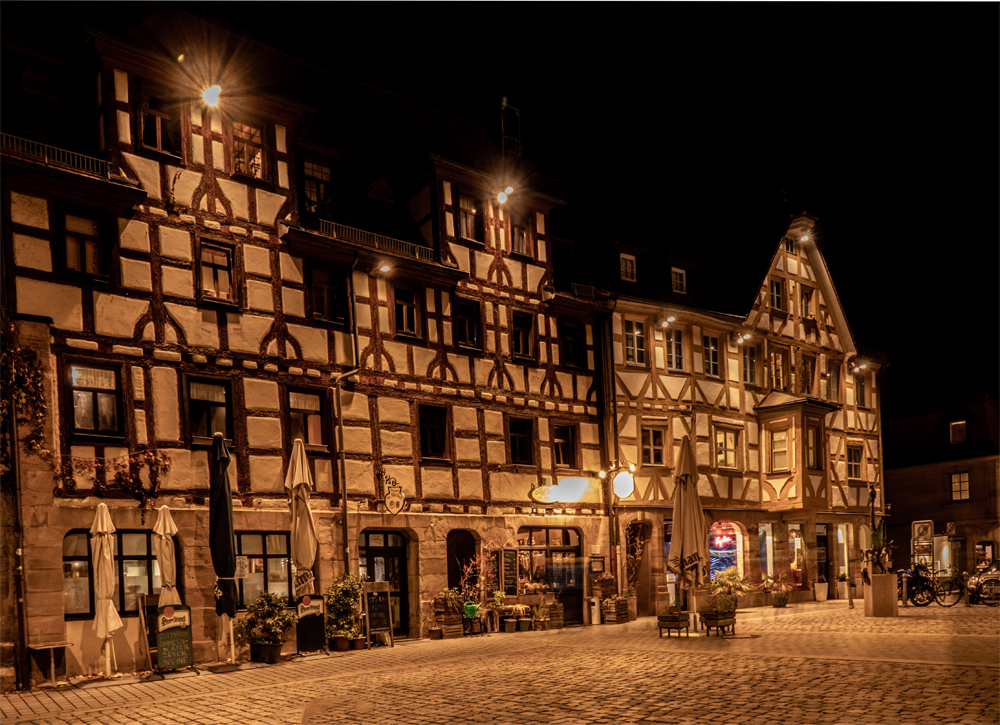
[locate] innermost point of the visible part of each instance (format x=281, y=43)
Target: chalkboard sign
x=378, y=611
x=173, y=637
x=310, y=633
x=510, y=572
x=492, y=572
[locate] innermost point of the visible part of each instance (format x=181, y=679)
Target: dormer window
x=957, y=431
x=678, y=280
x=628, y=267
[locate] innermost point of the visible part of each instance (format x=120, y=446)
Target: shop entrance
x=552, y=557
x=382, y=557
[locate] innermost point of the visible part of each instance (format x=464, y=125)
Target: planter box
x=676, y=621
x=523, y=625
x=821, y=589
x=555, y=614
x=269, y=653
x=435, y=633
x=359, y=643
x=616, y=613
x=339, y=643
x=779, y=600
x=510, y=625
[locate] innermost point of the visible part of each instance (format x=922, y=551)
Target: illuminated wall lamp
x=667, y=321
x=623, y=482
x=502, y=196
x=211, y=96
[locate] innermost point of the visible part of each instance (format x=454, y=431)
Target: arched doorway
x=726, y=544
x=461, y=549
x=637, y=565
x=382, y=558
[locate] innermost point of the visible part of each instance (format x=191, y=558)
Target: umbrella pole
x=232, y=642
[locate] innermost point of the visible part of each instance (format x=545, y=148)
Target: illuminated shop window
x=796, y=554
x=765, y=535
x=725, y=547
x=270, y=565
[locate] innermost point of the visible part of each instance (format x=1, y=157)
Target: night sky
x=880, y=119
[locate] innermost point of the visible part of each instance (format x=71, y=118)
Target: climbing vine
x=21, y=385
x=138, y=474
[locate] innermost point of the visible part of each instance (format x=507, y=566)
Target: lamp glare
x=624, y=484
x=501, y=197
x=509, y=190
x=211, y=96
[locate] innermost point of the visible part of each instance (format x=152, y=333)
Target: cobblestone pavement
x=817, y=663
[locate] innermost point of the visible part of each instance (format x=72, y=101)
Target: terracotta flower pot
x=358, y=643
x=340, y=643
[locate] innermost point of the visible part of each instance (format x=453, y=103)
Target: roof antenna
x=510, y=132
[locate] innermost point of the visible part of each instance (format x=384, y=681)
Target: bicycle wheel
x=947, y=592
x=923, y=596
x=989, y=592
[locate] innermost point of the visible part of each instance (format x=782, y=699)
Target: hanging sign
x=242, y=567
x=310, y=632
x=394, y=499
x=173, y=637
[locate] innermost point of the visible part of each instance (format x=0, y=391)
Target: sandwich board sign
x=173, y=637
x=378, y=610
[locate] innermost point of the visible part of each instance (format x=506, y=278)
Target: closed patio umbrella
x=298, y=481
x=106, y=619
x=222, y=539
x=689, y=539
x=165, y=530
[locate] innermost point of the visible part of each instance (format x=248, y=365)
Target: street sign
x=923, y=530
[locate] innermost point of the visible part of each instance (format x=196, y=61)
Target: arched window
x=725, y=547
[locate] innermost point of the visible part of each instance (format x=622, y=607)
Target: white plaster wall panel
x=237, y=196
x=591, y=460
x=283, y=174
x=658, y=357
x=166, y=406
x=588, y=433
x=429, y=303
x=546, y=460
x=383, y=319
x=515, y=268
x=496, y=454
x=260, y=394
x=517, y=376
x=263, y=432
x=246, y=332
x=199, y=326
x=535, y=275
x=464, y=419
x=218, y=157
x=133, y=235
x=344, y=348
x=175, y=243
x=139, y=417
x=436, y=482
x=323, y=476
x=266, y=474
x=189, y=469
x=543, y=430
x=182, y=184
x=508, y=486
x=138, y=383
x=738, y=485
x=460, y=253
x=422, y=358
x=711, y=390
x=566, y=383
x=121, y=86
x=470, y=484
x=391, y=410
x=293, y=302
x=364, y=313
x=633, y=382
x=793, y=266
x=177, y=282
x=494, y=422
x=467, y=449
x=136, y=274
x=279, y=139
x=461, y=365
x=32, y=252
x=701, y=425
x=256, y=260
x=124, y=128
x=148, y=172
x=29, y=210
x=540, y=222
x=628, y=430
x=449, y=225
x=117, y=316
x=397, y=351
x=357, y=440
x=733, y=369
x=198, y=154
x=704, y=484
x=752, y=491
x=397, y=443
x=405, y=477
x=543, y=253
x=483, y=370
x=291, y=268
x=631, y=452
x=268, y=206
x=483, y=262
x=312, y=341
x=354, y=405
x=259, y=296
x=674, y=385
x=446, y=192
x=850, y=419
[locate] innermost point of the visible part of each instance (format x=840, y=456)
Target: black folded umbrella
x=222, y=540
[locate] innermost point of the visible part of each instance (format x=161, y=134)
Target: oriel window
x=248, y=150
x=779, y=450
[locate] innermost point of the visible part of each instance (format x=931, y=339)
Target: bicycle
x=948, y=588
x=988, y=592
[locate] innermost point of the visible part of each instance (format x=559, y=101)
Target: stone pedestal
x=881, y=597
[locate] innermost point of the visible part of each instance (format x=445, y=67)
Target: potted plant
x=633, y=603
x=355, y=638
x=778, y=586
x=725, y=589
x=614, y=610
x=821, y=588
x=604, y=586
x=343, y=604
x=493, y=608
x=842, y=586
x=264, y=627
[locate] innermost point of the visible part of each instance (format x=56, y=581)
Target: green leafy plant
x=497, y=601
x=726, y=587
x=21, y=383
x=821, y=579
x=266, y=622
x=343, y=604
x=630, y=591
x=842, y=578
x=777, y=583
x=670, y=609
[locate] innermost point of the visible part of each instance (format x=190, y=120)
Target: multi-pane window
x=779, y=370
x=789, y=245
x=956, y=431
x=808, y=374
x=779, y=450
x=248, y=150
x=78, y=588
x=678, y=280
x=217, y=272
x=726, y=445
x=407, y=315
x=750, y=364
x=83, y=245
x=328, y=292
x=628, y=267
x=564, y=445
x=653, y=446
x=813, y=459
x=854, y=462
x=833, y=381
x=521, y=334
x=960, y=486
x=521, y=432
x=96, y=400
x=777, y=296
x=573, y=339
x=467, y=323
x=161, y=128
x=305, y=417
x=635, y=342
x=469, y=222
x=859, y=389
x=518, y=234
x=433, y=431
x=805, y=303
x=316, y=187
x=270, y=565
x=711, y=355
x=675, y=349
x=209, y=409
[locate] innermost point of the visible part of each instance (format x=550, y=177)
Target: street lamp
x=211, y=96
x=622, y=486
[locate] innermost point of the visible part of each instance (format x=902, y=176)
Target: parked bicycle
x=949, y=588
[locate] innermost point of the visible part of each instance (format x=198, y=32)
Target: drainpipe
x=340, y=417
x=610, y=421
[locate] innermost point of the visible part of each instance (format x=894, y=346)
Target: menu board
x=510, y=572
x=492, y=572
x=310, y=631
x=379, y=618
x=173, y=637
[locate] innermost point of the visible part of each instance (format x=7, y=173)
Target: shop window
x=160, y=120
x=635, y=342
x=796, y=555
x=83, y=252
x=779, y=450
x=95, y=400
x=749, y=364
x=711, y=355
x=675, y=349
x=564, y=445
x=468, y=321
x=653, y=446
x=522, y=335
x=217, y=264
x=551, y=558
x=305, y=418
x=407, y=311
x=270, y=565
x=956, y=431
x=461, y=547
x=210, y=409
x=248, y=150
x=136, y=571
x=573, y=340
x=522, y=440
x=960, y=486
x=470, y=219
x=328, y=292
x=725, y=547
x=433, y=420
x=726, y=447
x=854, y=460
x=765, y=537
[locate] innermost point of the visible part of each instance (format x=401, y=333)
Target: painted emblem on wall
x=394, y=498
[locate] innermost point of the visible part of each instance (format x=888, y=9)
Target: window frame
x=639, y=342
x=629, y=270
x=324, y=445
x=750, y=364
x=120, y=433
x=963, y=486
x=678, y=275
x=860, y=392
x=777, y=294
x=652, y=447
x=528, y=438
x=565, y=448
x=202, y=441
x=518, y=319
x=152, y=90
x=341, y=300
x=712, y=363
x=89, y=560
x=955, y=426
x=418, y=310
x=779, y=369
x=477, y=217
x=323, y=205
x=674, y=341
x=252, y=123
x=235, y=277
x=730, y=462
x=103, y=243
x=808, y=375
x=857, y=466
x=573, y=342
x=445, y=431
x=290, y=602
x=814, y=447
x=470, y=312
x=833, y=380
x=806, y=302
x=772, y=451
x=519, y=226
